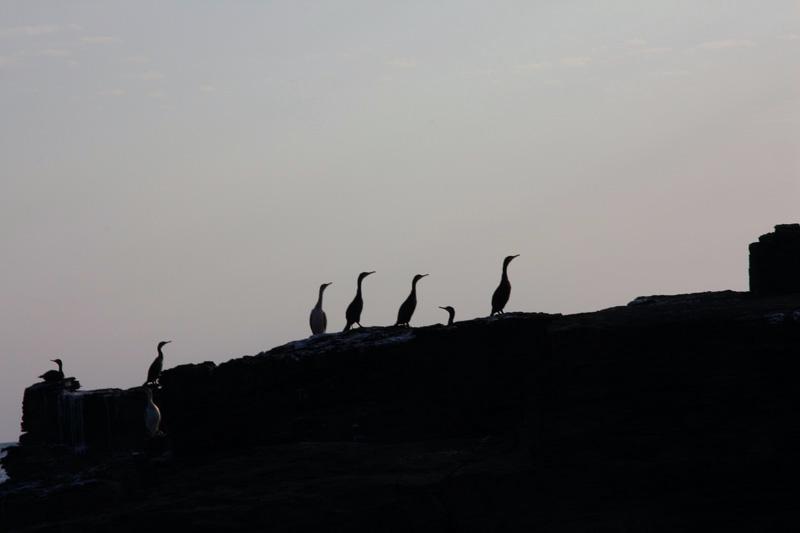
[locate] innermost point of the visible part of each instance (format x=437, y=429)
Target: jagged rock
x=61, y=424
x=675, y=415
x=42, y=416
x=775, y=261
x=385, y=382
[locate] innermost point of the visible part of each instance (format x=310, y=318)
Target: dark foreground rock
x=669, y=414
x=775, y=261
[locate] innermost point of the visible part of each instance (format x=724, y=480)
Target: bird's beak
x=52, y=360
x=329, y=283
x=368, y=273
x=440, y=307
x=167, y=342
x=425, y=275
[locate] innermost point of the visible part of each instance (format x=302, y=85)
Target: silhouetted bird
x=503, y=291
x=407, y=309
x=353, y=313
x=155, y=367
x=152, y=414
x=451, y=312
x=54, y=375
x=318, y=321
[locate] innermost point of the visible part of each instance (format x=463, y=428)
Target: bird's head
x=508, y=259
x=419, y=277
x=57, y=361
x=364, y=275
x=162, y=344
x=325, y=286
x=448, y=308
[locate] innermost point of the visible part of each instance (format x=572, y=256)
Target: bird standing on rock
x=318, y=321
x=450, y=312
x=353, y=313
x=54, y=375
x=503, y=291
x=152, y=414
x=407, y=308
x=155, y=367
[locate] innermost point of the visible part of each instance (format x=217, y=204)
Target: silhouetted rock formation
x=63, y=425
x=775, y=261
x=674, y=414
x=43, y=411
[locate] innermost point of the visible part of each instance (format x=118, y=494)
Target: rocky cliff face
x=669, y=412
x=372, y=384
x=775, y=261
x=63, y=425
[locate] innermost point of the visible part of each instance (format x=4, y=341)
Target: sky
x=194, y=170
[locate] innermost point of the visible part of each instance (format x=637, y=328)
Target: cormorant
x=54, y=375
x=155, y=367
x=503, y=291
x=318, y=321
x=353, y=313
x=407, y=309
x=152, y=414
x=451, y=312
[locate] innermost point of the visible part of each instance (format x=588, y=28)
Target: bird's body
x=451, y=314
x=52, y=376
x=353, y=312
x=406, y=310
x=155, y=367
x=503, y=291
x=152, y=414
x=318, y=321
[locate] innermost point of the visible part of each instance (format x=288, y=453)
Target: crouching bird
x=451, y=314
x=54, y=375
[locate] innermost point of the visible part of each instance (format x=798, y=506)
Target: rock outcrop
x=63, y=425
x=775, y=261
x=673, y=413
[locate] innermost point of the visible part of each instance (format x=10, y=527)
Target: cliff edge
x=669, y=413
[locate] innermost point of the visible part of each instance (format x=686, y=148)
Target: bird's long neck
x=160, y=353
x=504, y=277
x=358, y=290
x=414, y=289
x=319, y=299
x=59, y=367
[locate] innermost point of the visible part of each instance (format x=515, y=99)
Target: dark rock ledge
x=672, y=413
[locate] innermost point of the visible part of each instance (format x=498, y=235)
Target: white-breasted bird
x=152, y=414
x=318, y=321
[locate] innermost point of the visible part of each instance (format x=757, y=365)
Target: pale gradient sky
x=194, y=170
